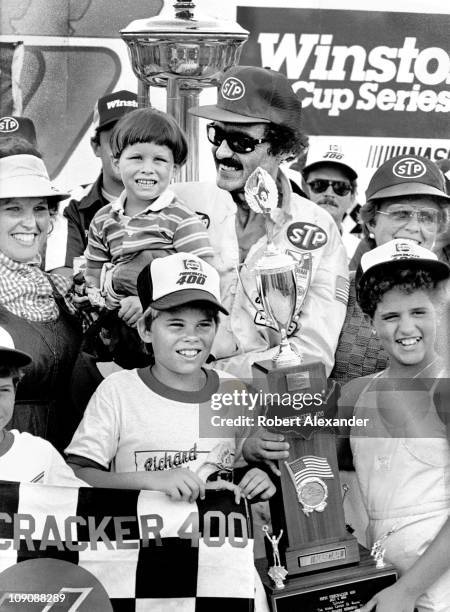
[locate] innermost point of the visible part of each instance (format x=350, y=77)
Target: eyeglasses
x=237, y=141
x=340, y=188
x=427, y=217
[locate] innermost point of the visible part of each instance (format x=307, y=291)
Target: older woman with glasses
x=33, y=308
x=406, y=198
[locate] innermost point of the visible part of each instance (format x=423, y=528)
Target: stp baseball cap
x=110, y=108
x=401, y=253
x=18, y=126
x=176, y=280
x=253, y=95
x=329, y=154
x=407, y=175
x=9, y=355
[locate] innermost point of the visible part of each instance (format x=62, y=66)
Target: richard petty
x=300, y=227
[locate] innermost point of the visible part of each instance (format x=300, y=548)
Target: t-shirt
x=134, y=422
x=33, y=459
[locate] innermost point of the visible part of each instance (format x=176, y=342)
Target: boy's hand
x=180, y=484
x=256, y=483
x=130, y=310
x=217, y=485
x=265, y=446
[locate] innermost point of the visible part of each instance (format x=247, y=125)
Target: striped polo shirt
x=166, y=224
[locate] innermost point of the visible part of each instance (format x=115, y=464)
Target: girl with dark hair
x=402, y=455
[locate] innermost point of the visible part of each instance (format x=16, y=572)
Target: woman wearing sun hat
x=402, y=455
x=32, y=303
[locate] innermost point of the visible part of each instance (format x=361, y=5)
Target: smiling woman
x=32, y=303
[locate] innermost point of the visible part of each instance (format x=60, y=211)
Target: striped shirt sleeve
x=97, y=251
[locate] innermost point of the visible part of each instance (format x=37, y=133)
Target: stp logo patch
x=233, y=89
x=306, y=236
x=8, y=124
x=409, y=168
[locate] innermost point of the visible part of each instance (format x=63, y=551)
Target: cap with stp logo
x=407, y=175
x=176, y=280
x=18, y=126
x=110, y=108
x=401, y=253
x=253, y=95
x=319, y=154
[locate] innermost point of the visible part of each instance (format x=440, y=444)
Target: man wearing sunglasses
x=330, y=180
x=256, y=123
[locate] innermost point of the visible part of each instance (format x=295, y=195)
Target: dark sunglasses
x=236, y=141
x=340, y=188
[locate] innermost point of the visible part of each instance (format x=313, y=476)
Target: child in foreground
x=24, y=457
x=402, y=457
x=147, y=428
x=147, y=220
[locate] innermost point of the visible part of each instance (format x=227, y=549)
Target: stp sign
x=409, y=167
x=233, y=89
x=306, y=236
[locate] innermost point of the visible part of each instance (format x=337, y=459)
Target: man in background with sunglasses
x=330, y=180
x=256, y=123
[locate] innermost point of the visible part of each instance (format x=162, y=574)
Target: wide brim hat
x=177, y=280
x=407, y=175
x=9, y=355
x=25, y=176
x=253, y=95
x=396, y=255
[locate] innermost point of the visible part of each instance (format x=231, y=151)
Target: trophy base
x=306, y=377
x=340, y=589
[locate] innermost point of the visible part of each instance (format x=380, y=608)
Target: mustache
x=230, y=162
x=327, y=201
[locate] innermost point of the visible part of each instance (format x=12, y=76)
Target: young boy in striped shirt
x=147, y=220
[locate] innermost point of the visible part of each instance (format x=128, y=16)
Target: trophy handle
x=241, y=282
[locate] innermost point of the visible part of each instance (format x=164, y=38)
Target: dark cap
x=407, y=175
x=176, y=280
x=18, y=126
x=254, y=95
x=110, y=108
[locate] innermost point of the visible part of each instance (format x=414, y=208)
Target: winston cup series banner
x=379, y=79
x=89, y=549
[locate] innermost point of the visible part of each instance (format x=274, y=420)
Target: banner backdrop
x=352, y=80
x=376, y=82
x=101, y=549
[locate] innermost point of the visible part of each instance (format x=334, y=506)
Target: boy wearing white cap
x=23, y=457
x=154, y=428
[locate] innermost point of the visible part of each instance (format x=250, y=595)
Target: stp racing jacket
x=300, y=226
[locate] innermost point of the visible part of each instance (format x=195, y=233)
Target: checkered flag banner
x=142, y=550
x=308, y=466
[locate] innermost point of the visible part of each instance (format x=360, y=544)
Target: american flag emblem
x=342, y=289
x=308, y=466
